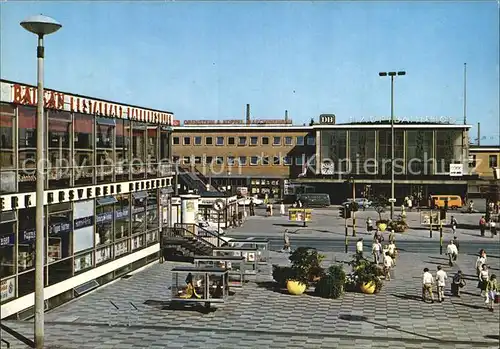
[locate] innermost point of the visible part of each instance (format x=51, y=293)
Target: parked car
x=362, y=202
x=314, y=199
x=246, y=201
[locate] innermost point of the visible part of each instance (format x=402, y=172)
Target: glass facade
x=81, y=150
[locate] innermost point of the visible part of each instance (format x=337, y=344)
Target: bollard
x=430, y=231
x=353, y=224
x=346, y=238
x=441, y=238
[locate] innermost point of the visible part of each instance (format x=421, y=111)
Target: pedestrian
x=388, y=264
x=457, y=283
x=491, y=291
x=427, y=282
x=493, y=227
x=471, y=206
x=282, y=209
x=392, y=236
x=441, y=277
x=359, y=248
x=454, y=224
x=392, y=252
x=252, y=207
x=376, y=251
x=410, y=203
x=369, y=225
x=456, y=243
x=480, y=261
x=268, y=210
x=271, y=209
x=482, y=225
x=286, y=240
x=452, y=252
x=483, y=280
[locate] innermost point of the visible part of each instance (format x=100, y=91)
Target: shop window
x=187, y=160
x=254, y=160
x=152, y=144
x=311, y=140
x=287, y=160
x=197, y=140
x=265, y=140
x=122, y=148
x=26, y=283
x=83, y=262
x=197, y=159
x=137, y=242
x=493, y=161
x=26, y=239
x=299, y=160
x=104, y=220
x=276, y=140
x=139, y=202
x=230, y=140
x=187, y=140
x=242, y=160
x=276, y=160
x=175, y=140
x=83, y=225
x=103, y=254
x=122, y=216
x=121, y=248
x=83, y=144
x=209, y=141
x=60, y=229
x=220, y=140
x=265, y=160
x=288, y=140
x=219, y=160
x=209, y=160
x=7, y=244
x=242, y=140
x=254, y=140
x=152, y=210
x=6, y=136
x=230, y=160
x=60, y=271
x=299, y=140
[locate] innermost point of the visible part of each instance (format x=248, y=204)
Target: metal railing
x=207, y=235
x=185, y=234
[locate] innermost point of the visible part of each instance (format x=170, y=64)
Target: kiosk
x=199, y=285
x=261, y=244
x=233, y=264
x=249, y=254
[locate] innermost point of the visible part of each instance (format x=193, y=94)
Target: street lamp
x=39, y=25
x=392, y=74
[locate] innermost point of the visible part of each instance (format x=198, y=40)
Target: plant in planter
x=366, y=275
x=282, y=274
x=399, y=226
x=306, y=268
x=332, y=284
x=380, y=206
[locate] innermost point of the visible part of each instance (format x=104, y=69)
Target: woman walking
x=491, y=291
x=483, y=280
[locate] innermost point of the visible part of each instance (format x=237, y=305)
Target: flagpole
x=465, y=93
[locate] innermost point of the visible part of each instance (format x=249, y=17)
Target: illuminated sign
x=27, y=95
x=327, y=119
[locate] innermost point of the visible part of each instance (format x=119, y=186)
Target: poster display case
x=233, y=264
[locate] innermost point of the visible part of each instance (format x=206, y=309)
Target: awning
x=106, y=200
x=168, y=190
x=140, y=195
x=106, y=121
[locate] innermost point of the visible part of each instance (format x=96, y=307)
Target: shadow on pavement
x=492, y=336
x=472, y=306
x=272, y=286
x=287, y=224
x=470, y=294
x=440, y=258
x=437, y=263
x=411, y=297
x=168, y=305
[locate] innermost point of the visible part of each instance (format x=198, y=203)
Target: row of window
x=244, y=160
x=244, y=140
x=492, y=161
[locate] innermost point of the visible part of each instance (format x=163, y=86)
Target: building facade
x=261, y=155
x=484, y=161
x=108, y=180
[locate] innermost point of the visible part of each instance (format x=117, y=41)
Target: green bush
x=332, y=284
x=365, y=271
x=306, y=265
x=282, y=274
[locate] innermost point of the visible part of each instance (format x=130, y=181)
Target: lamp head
x=40, y=25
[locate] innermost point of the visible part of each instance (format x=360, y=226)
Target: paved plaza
x=258, y=316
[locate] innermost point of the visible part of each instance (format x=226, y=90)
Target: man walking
x=452, y=252
x=388, y=264
x=457, y=283
x=453, y=224
x=441, y=277
x=427, y=282
x=286, y=240
x=252, y=207
x=482, y=225
x=359, y=248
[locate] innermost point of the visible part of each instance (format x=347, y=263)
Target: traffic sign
x=218, y=205
x=392, y=200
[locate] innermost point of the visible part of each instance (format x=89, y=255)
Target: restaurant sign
x=236, y=122
x=27, y=95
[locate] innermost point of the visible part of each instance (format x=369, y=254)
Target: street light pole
x=40, y=25
x=392, y=75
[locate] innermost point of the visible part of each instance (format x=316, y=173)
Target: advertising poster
x=8, y=288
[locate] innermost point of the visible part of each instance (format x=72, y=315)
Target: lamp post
x=40, y=25
x=392, y=74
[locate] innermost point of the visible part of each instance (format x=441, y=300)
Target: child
x=491, y=291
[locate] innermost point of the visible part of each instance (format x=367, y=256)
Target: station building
x=485, y=162
x=107, y=192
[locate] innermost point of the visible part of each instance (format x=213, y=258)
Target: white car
x=246, y=201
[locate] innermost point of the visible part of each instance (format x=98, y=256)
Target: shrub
x=282, y=274
x=365, y=271
x=306, y=265
x=332, y=284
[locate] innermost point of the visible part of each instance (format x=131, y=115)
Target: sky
x=207, y=60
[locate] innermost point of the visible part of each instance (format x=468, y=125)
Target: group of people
x=487, y=283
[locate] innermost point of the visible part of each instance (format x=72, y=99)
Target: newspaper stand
x=233, y=264
x=249, y=254
x=261, y=244
x=208, y=285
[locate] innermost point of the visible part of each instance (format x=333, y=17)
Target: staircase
x=179, y=243
x=195, y=181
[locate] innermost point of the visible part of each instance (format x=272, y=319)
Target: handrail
x=18, y=336
x=182, y=232
x=7, y=343
x=206, y=232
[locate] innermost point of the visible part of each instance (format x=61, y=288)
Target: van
x=454, y=201
x=314, y=199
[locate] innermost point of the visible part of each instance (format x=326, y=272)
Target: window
x=242, y=140
x=27, y=137
x=26, y=239
x=230, y=140
x=152, y=209
x=254, y=140
x=209, y=160
x=197, y=140
x=197, y=159
x=138, y=149
x=265, y=160
x=176, y=140
x=254, y=160
x=7, y=244
x=299, y=160
x=242, y=160
x=209, y=141
x=311, y=160
x=493, y=160
x=288, y=140
x=265, y=140
x=187, y=160
x=276, y=140
x=276, y=160
x=220, y=141
x=122, y=149
x=187, y=140
x=311, y=140
x=230, y=160
x=300, y=140
x=122, y=216
x=472, y=160
x=287, y=160
x=60, y=231
x=139, y=202
x=104, y=220
x=219, y=160
x=6, y=136
x=152, y=144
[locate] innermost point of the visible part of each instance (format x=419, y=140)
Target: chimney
x=286, y=116
x=248, y=114
x=478, y=134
